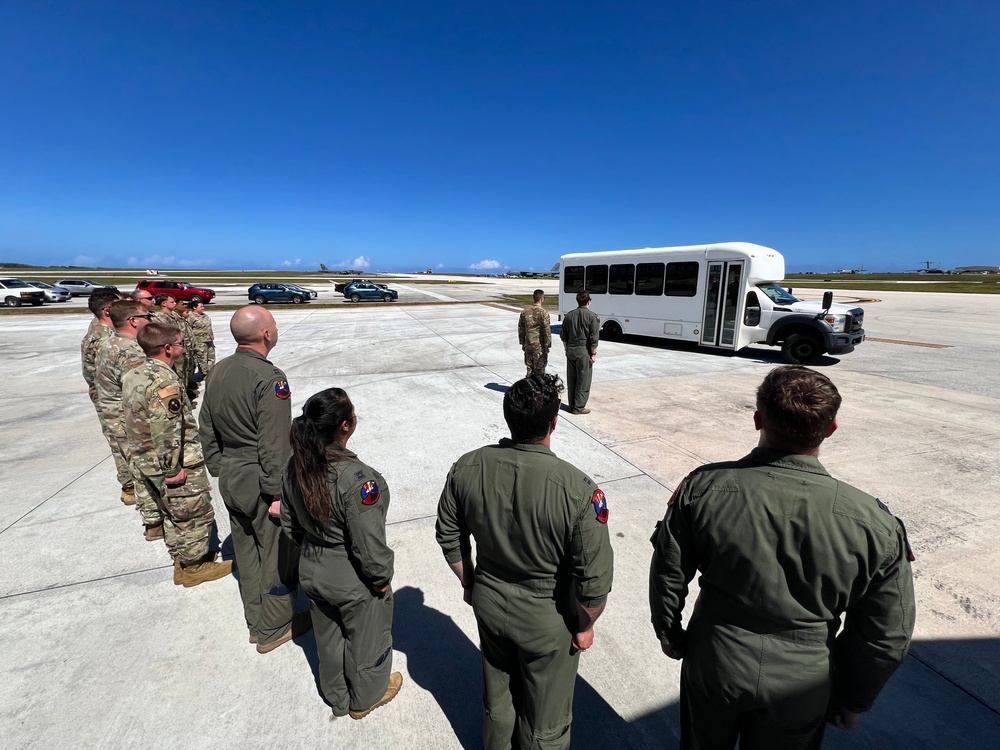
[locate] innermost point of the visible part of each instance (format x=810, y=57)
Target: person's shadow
x=442, y=660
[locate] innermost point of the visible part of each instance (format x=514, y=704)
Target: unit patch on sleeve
x=281, y=390
x=600, y=505
x=170, y=397
x=366, y=496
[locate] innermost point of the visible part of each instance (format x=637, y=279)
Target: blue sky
x=460, y=135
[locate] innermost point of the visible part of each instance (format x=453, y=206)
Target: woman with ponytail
x=334, y=508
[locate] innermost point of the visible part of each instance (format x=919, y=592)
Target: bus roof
x=743, y=249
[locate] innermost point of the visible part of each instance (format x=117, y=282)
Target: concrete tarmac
x=102, y=650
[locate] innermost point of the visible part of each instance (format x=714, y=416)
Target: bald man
x=244, y=424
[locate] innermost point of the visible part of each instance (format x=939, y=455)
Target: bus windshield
x=777, y=293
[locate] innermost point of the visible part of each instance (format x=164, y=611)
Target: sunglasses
x=147, y=316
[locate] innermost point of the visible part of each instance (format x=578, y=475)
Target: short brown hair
x=123, y=309
x=538, y=295
x=582, y=298
x=159, y=299
x=100, y=299
x=155, y=336
x=797, y=407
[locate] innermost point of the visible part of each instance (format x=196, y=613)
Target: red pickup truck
x=182, y=291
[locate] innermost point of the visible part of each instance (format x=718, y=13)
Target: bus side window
x=649, y=279
x=622, y=279
x=597, y=279
x=751, y=315
x=681, y=279
x=573, y=280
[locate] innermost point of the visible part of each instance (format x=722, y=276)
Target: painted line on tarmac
x=909, y=343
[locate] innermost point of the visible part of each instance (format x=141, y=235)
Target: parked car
x=367, y=290
x=181, y=291
x=80, y=287
x=52, y=293
x=274, y=292
x=340, y=287
x=14, y=293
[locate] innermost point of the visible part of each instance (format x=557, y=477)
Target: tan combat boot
x=178, y=579
x=395, y=683
x=192, y=575
x=128, y=497
x=153, y=533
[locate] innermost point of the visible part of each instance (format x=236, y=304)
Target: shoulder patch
x=367, y=496
x=170, y=390
x=359, y=475
x=587, y=479
x=600, y=502
x=281, y=390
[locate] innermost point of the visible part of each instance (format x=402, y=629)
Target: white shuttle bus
x=724, y=296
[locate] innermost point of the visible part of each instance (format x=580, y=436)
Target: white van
x=724, y=296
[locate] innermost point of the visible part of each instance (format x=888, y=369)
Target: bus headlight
x=837, y=322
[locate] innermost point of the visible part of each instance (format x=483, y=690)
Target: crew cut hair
x=154, y=336
x=797, y=407
x=538, y=295
x=123, y=309
x=530, y=405
x=582, y=298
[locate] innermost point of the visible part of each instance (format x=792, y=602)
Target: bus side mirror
x=827, y=300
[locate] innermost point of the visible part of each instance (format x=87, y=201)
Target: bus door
x=722, y=302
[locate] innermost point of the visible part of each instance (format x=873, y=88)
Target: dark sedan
x=275, y=292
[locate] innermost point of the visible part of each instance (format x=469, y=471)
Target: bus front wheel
x=802, y=349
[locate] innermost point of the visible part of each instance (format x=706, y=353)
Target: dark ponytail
x=311, y=436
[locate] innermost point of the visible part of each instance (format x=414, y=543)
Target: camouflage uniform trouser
x=114, y=431
x=535, y=360
x=188, y=516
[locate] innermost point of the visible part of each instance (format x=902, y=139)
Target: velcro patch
x=600, y=505
x=281, y=390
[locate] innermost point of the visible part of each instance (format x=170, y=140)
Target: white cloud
x=131, y=261
x=289, y=263
x=440, y=265
x=486, y=265
x=361, y=262
x=85, y=260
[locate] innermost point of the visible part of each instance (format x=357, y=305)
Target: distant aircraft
x=859, y=269
x=552, y=274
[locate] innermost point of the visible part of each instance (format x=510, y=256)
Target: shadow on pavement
x=441, y=660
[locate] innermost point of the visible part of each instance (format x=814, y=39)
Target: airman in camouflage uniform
x=167, y=458
x=535, y=335
x=99, y=329
x=98, y=332
x=785, y=553
x=166, y=313
x=204, y=337
x=543, y=568
x=117, y=354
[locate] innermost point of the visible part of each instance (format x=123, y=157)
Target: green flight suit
x=542, y=544
x=243, y=425
x=581, y=330
x=785, y=551
x=344, y=561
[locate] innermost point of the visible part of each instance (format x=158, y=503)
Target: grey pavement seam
x=65, y=486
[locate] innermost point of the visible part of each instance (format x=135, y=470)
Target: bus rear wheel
x=802, y=349
x=611, y=331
